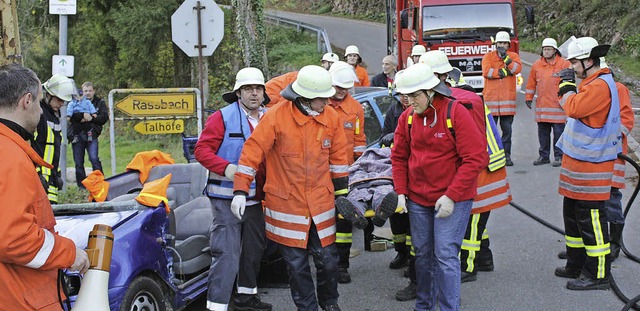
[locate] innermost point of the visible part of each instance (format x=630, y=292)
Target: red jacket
x=430, y=162
x=30, y=251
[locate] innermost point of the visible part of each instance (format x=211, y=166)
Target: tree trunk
x=250, y=32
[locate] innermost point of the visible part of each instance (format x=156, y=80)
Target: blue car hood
x=77, y=227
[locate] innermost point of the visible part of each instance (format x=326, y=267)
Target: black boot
x=253, y=304
x=343, y=276
x=586, y=283
x=401, y=260
x=566, y=272
x=615, y=237
x=407, y=293
x=386, y=209
x=350, y=213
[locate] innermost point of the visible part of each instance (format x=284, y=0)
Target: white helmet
x=418, y=50
x=419, y=77
x=550, y=42
x=503, y=36
x=437, y=60
x=352, y=49
x=313, y=82
x=342, y=75
x=330, y=57
x=60, y=87
x=586, y=47
x=246, y=76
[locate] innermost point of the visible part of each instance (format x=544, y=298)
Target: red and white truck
x=463, y=29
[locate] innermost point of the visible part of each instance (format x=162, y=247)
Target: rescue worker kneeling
x=304, y=147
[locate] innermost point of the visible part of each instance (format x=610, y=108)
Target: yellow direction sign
x=160, y=127
x=161, y=104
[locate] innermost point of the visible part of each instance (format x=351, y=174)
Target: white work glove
x=444, y=207
x=238, y=204
x=81, y=263
x=230, y=171
x=402, y=204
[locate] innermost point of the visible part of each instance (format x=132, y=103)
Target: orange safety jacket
x=96, y=185
x=303, y=154
x=493, y=187
x=500, y=94
x=363, y=76
x=541, y=79
x=351, y=117
x=581, y=180
x=144, y=161
x=30, y=251
x=274, y=86
x=627, y=122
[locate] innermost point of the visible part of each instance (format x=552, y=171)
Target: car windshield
x=476, y=21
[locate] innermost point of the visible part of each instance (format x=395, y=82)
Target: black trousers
x=587, y=237
x=472, y=250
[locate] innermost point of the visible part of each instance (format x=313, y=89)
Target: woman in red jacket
x=438, y=174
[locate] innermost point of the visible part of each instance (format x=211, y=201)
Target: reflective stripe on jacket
x=351, y=117
x=303, y=154
x=595, y=144
x=493, y=191
x=582, y=180
x=500, y=94
x=236, y=132
x=30, y=251
x=542, y=81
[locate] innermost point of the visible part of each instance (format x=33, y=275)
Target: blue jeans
x=300, y=279
x=544, y=137
x=613, y=206
x=78, y=157
x=437, y=243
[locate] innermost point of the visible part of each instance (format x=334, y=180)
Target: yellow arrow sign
x=160, y=127
x=161, y=104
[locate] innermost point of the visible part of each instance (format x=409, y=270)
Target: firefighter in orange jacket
x=493, y=187
x=587, y=164
x=499, y=69
x=549, y=114
x=30, y=251
x=353, y=58
x=351, y=117
x=274, y=86
x=304, y=146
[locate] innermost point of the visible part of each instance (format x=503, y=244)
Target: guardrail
x=324, y=45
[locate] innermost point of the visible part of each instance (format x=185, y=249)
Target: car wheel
x=144, y=294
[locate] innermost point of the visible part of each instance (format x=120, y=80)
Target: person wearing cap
x=304, y=148
x=493, y=188
x=328, y=59
x=48, y=136
x=353, y=58
x=351, y=116
x=416, y=52
x=87, y=129
x=499, y=69
x=31, y=251
x=385, y=78
x=549, y=114
x=237, y=235
x=593, y=113
x=435, y=176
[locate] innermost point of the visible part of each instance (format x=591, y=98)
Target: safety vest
x=595, y=145
x=236, y=132
x=497, y=158
x=51, y=155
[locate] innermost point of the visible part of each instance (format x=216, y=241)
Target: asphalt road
x=524, y=251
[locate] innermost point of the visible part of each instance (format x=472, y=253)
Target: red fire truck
x=463, y=29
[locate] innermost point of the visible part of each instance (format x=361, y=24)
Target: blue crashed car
x=375, y=101
x=160, y=260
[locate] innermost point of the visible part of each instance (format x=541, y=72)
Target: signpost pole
x=200, y=61
x=62, y=50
